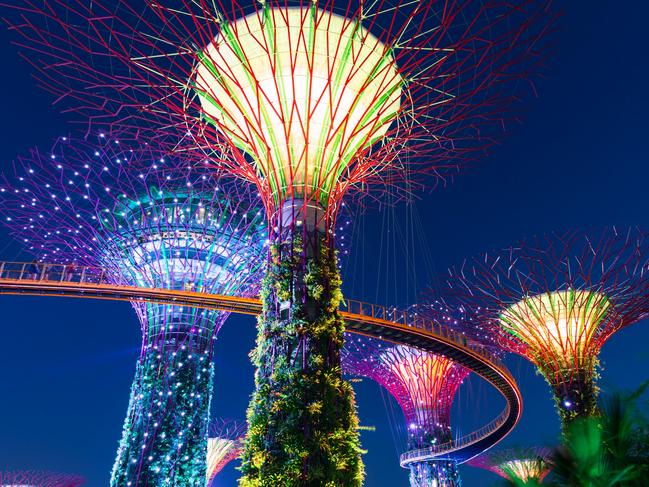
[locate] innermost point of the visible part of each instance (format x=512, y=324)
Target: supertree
x=224, y=445
x=308, y=100
x=524, y=464
x=30, y=478
x=167, y=227
x=555, y=300
x=424, y=385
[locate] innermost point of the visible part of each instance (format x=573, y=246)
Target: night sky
x=580, y=159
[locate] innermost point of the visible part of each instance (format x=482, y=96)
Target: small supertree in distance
x=556, y=299
x=167, y=226
x=424, y=385
x=516, y=464
x=29, y=478
x=310, y=101
x=224, y=445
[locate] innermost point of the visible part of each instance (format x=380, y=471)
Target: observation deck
x=371, y=320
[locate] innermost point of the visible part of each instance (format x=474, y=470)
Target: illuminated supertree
x=224, y=445
x=424, y=385
x=39, y=479
x=164, y=227
x=309, y=100
x=524, y=464
x=555, y=300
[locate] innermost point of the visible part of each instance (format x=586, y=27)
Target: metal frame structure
x=424, y=385
x=406, y=87
x=309, y=101
x=224, y=445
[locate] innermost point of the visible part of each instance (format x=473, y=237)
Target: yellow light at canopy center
x=302, y=91
x=524, y=469
x=559, y=327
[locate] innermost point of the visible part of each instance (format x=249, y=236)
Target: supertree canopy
x=308, y=100
x=224, y=445
x=523, y=464
x=555, y=300
x=39, y=479
x=317, y=97
x=167, y=227
x=424, y=385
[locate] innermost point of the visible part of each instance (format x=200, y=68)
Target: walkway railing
x=39, y=271
x=460, y=443
x=412, y=320
x=74, y=274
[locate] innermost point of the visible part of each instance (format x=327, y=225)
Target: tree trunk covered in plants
x=576, y=397
x=303, y=428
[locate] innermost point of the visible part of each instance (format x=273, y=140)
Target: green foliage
x=302, y=423
x=580, y=388
x=605, y=450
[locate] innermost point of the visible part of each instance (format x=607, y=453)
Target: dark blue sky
x=580, y=159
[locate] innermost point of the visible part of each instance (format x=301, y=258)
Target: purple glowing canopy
x=148, y=220
x=524, y=464
x=424, y=385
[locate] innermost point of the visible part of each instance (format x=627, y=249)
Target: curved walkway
x=362, y=318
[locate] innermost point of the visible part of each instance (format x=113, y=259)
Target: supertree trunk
x=575, y=397
x=434, y=473
x=303, y=428
x=164, y=441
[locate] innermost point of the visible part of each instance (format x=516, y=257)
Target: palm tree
x=611, y=449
